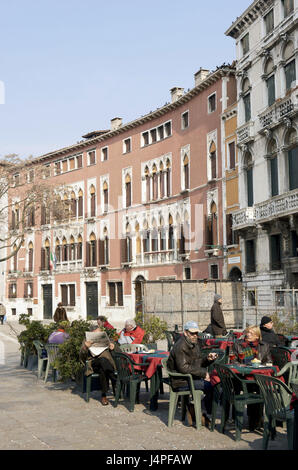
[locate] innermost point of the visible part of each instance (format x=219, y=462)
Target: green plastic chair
x=41, y=360
x=235, y=392
x=170, y=340
x=52, y=351
x=24, y=355
x=277, y=397
x=280, y=356
x=289, y=373
x=195, y=395
x=127, y=376
x=151, y=346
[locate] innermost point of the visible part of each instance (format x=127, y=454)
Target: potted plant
x=154, y=327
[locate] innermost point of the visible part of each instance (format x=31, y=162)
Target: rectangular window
x=168, y=129
x=91, y=158
x=250, y=256
x=275, y=252
x=145, y=137
x=251, y=298
x=245, y=44
x=250, y=188
x=30, y=176
x=271, y=90
x=269, y=21
x=127, y=145
x=214, y=271
x=65, y=166
x=187, y=273
x=288, y=6
x=47, y=171
x=212, y=103
x=160, y=132
x=13, y=311
x=153, y=135
x=57, y=168
x=274, y=176
x=115, y=294
x=290, y=71
x=16, y=180
x=293, y=168
x=232, y=162
x=72, y=163
x=247, y=109
x=68, y=295
x=28, y=290
x=79, y=159
x=279, y=298
x=104, y=154
x=29, y=312
x=185, y=120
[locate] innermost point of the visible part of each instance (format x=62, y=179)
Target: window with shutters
x=275, y=252
x=154, y=237
x=291, y=142
x=31, y=217
x=212, y=103
x=127, y=190
x=246, y=99
x=250, y=256
x=211, y=163
x=80, y=204
x=15, y=259
x=214, y=271
x=168, y=178
x=79, y=248
x=79, y=161
x=73, y=205
x=185, y=120
x=155, y=183
x=68, y=295
x=115, y=290
x=245, y=44
x=103, y=249
x=91, y=252
x=127, y=145
x=30, y=176
x=156, y=134
x=186, y=172
x=105, y=197
x=232, y=235
x=12, y=290
x=269, y=22
x=290, y=65
x=232, y=156
x=28, y=290
x=171, y=242
x=47, y=171
x=30, y=257
x=187, y=273
x=288, y=7
x=91, y=157
x=92, y=202
x=104, y=154
x=294, y=243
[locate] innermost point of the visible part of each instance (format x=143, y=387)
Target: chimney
x=116, y=123
x=200, y=76
x=176, y=93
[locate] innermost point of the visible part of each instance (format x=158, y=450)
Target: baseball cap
x=191, y=326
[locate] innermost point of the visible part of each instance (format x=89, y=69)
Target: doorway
x=92, y=299
x=47, y=301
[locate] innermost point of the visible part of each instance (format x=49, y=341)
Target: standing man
x=186, y=358
x=2, y=313
x=217, y=318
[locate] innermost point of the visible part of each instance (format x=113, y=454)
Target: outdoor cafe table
x=222, y=343
x=246, y=371
x=152, y=371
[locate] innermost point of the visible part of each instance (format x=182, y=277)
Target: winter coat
x=60, y=315
x=85, y=355
x=132, y=337
x=185, y=357
x=2, y=310
x=269, y=336
x=217, y=320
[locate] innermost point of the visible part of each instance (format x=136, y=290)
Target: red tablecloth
x=214, y=378
x=223, y=344
x=237, y=333
x=293, y=399
x=153, y=361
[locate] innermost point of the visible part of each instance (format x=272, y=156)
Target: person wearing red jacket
x=103, y=322
x=131, y=333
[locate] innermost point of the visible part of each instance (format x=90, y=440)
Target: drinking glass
x=232, y=356
x=241, y=356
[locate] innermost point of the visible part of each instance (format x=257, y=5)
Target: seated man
x=102, y=322
x=185, y=357
x=268, y=334
x=97, y=349
x=131, y=334
x=58, y=336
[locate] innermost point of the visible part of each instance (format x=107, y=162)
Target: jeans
x=206, y=387
x=2, y=319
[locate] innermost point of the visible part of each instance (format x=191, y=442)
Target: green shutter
x=250, y=192
x=293, y=168
x=271, y=90
x=274, y=176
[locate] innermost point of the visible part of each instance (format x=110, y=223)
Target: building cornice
x=80, y=146
x=257, y=8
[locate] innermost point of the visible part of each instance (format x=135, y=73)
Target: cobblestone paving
x=37, y=416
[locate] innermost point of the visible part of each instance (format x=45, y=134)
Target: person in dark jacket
x=185, y=357
x=60, y=314
x=217, y=318
x=268, y=334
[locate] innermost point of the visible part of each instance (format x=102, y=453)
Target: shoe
x=206, y=421
x=104, y=401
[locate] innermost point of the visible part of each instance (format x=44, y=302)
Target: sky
x=68, y=67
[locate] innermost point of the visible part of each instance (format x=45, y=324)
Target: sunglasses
x=193, y=334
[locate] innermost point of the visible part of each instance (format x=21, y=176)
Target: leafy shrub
x=154, y=327
x=285, y=325
x=35, y=330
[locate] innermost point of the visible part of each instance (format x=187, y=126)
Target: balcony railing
x=156, y=257
x=278, y=206
x=245, y=133
x=277, y=112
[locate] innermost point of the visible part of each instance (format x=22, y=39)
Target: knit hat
x=191, y=326
x=265, y=320
x=217, y=297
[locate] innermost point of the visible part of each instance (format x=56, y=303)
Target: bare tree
x=26, y=196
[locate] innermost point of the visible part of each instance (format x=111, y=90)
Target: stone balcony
x=278, y=206
x=280, y=110
x=245, y=133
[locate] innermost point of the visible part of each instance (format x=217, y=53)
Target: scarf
x=250, y=350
